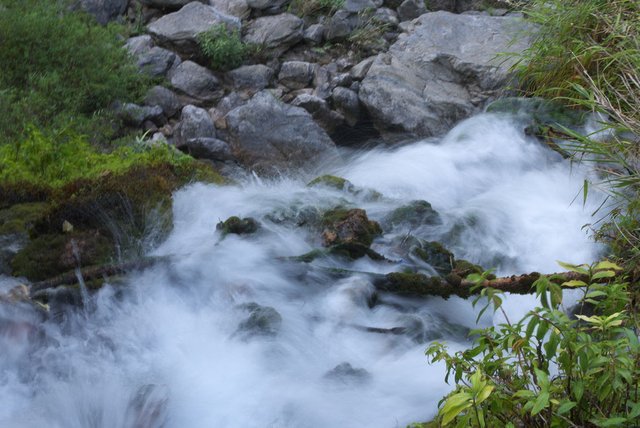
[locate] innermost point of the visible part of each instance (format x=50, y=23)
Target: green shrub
x=549, y=369
x=225, y=50
x=59, y=68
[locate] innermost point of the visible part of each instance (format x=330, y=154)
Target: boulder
x=163, y=97
x=341, y=25
x=135, y=115
x=262, y=321
x=346, y=374
x=270, y=5
x=296, y=74
x=443, y=70
x=413, y=215
x=267, y=134
x=251, y=77
x=166, y=4
x=208, y=148
x=346, y=102
x=411, y=9
x=179, y=30
x=196, y=82
x=361, y=5
x=157, y=61
x=139, y=44
x=349, y=232
x=320, y=111
x=238, y=8
x=238, y=226
x=276, y=33
x=195, y=124
x=104, y=10
x=314, y=34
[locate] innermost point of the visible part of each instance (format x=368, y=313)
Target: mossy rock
x=414, y=214
x=344, y=185
x=238, y=226
x=49, y=255
x=21, y=218
x=436, y=255
x=411, y=284
x=262, y=321
x=349, y=231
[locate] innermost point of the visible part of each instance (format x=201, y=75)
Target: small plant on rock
x=315, y=7
x=224, y=49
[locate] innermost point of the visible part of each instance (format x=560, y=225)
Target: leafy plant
x=60, y=68
x=305, y=8
x=551, y=369
x=224, y=49
x=368, y=37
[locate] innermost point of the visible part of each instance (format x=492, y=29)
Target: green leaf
x=578, y=390
x=566, y=406
x=455, y=405
x=574, y=283
x=610, y=422
x=605, y=264
x=541, y=402
x=573, y=268
x=484, y=394
x=603, y=274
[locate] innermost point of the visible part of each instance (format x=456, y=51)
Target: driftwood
x=92, y=272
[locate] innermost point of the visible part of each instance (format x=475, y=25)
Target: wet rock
x=439, y=73
x=414, y=214
x=251, y=77
x=267, y=135
x=157, y=61
x=237, y=8
x=238, y=226
x=347, y=103
x=262, y=321
x=411, y=9
x=436, y=255
x=339, y=183
x=104, y=10
x=179, y=30
x=195, y=123
x=275, y=33
x=320, y=111
x=346, y=374
x=349, y=232
x=163, y=97
x=296, y=74
x=196, y=82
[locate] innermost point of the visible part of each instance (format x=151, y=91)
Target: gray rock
x=347, y=103
x=228, y=103
x=178, y=30
x=251, y=77
x=266, y=4
x=157, y=61
x=195, y=123
x=345, y=374
x=208, y=148
x=360, y=5
x=237, y=8
x=139, y=45
x=166, y=4
x=341, y=79
x=386, y=16
x=268, y=135
x=262, y=321
x=163, y=97
x=275, y=33
x=104, y=10
x=360, y=69
x=296, y=74
x=411, y=9
x=319, y=109
x=196, y=82
x=135, y=115
x=439, y=73
x=341, y=24
x=314, y=34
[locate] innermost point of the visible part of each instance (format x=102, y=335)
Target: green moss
x=436, y=255
x=20, y=218
x=414, y=214
x=238, y=226
x=331, y=181
x=412, y=284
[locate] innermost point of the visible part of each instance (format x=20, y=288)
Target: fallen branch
x=93, y=272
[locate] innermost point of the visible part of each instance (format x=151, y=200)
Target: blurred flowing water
x=173, y=347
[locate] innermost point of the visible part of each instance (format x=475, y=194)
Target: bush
x=224, y=49
x=59, y=68
x=550, y=369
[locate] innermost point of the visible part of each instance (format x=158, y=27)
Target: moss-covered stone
x=414, y=214
x=331, y=181
x=20, y=218
x=412, y=284
x=49, y=255
x=238, y=226
x=349, y=232
x=436, y=255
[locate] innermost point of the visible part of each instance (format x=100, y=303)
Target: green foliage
x=53, y=160
x=224, y=49
x=368, y=38
x=59, y=68
x=549, y=369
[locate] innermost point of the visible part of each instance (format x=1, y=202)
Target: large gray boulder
x=443, y=70
x=179, y=30
x=269, y=136
x=238, y=8
x=163, y=97
x=276, y=33
x=251, y=77
x=196, y=82
x=157, y=61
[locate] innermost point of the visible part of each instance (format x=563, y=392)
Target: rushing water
x=170, y=347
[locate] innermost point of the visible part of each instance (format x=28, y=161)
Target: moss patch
x=20, y=218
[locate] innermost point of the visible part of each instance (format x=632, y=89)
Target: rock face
x=178, y=30
x=442, y=71
x=275, y=32
x=267, y=135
